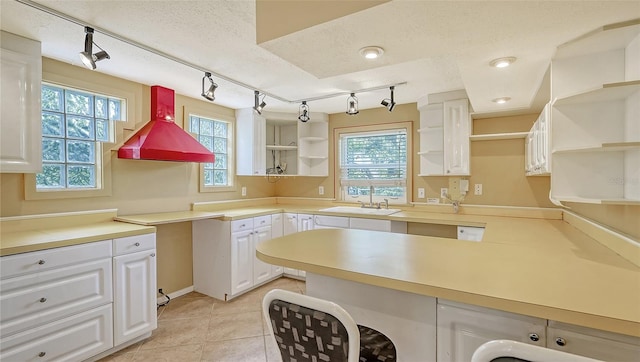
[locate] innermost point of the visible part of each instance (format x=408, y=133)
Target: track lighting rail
x=136, y=44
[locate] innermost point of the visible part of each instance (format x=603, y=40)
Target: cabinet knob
x=534, y=337
x=153, y=255
x=42, y=300
x=561, y=342
x=448, y=171
x=137, y=244
x=40, y=262
x=42, y=354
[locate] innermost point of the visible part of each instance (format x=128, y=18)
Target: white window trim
x=207, y=113
x=381, y=129
x=131, y=95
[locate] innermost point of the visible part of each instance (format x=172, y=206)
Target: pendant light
x=303, y=112
x=209, y=94
x=88, y=58
x=352, y=105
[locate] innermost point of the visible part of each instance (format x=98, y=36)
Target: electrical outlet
x=321, y=190
x=421, y=193
x=244, y=191
x=477, y=189
x=444, y=192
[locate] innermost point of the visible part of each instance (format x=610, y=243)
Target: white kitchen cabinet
x=21, y=123
x=445, y=128
x=262, y=271
x=224, y=256
x=57, y=303
x=290, y=226
x=135, y=287
x=369, y=224
x=463, y=328
x=305, y=222
x=278, y=143
x=277, y=225
x=250, y=143
x=538, y=146
x=330, y=222
x=592, y=343
x=470, y=233
x=595, y=117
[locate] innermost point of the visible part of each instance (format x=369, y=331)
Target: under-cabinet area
x=77, y=302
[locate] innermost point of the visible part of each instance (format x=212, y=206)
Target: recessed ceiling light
x=501, y=100
x=502, y=62
x=371, y=52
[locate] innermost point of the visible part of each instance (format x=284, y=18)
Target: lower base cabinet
x=592, y=343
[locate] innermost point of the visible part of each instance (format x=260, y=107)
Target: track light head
x=258, y=106
x=303, y=112
x=87, y=57
x=389, y=102
x=352, y=105
x=209, y=94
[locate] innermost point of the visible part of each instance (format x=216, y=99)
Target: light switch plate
x=321, y=190
x=421, y=192
x=443, y=192
x=244, y=191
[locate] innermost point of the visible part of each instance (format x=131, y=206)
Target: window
x=375, y=160
x=74, y=124
x=215, y=135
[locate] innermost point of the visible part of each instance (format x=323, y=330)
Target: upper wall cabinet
x=595, y=117
x=537, y=146
x=444, y=131
x=279, y=144
x=21, y=77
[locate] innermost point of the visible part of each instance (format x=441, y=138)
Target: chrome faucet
x=454, y=203
x=371, y=205
x=371, y=190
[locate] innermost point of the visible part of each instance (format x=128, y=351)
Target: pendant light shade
x=352, y=105
x=209, y=93
x=303, y=112
x=87, y=57
x=258, y=105
x=389, y=102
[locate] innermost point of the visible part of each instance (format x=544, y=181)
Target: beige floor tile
x=183, y=353
x=188, y=308
x=273, y=354
x=125, y=354
x=235, y=326
x=241, y=304
x=236, y=350
x=177, y=332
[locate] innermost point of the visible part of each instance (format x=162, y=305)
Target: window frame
x=380, y=129
x=130, y=94
x=231, y=124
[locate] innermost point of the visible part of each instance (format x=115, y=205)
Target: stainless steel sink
x=360, y=210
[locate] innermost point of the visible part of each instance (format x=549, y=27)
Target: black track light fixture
x=389, y=102
x=88, y=58
x=258, y=105
x=209, y=94
x=352, y=105
x=303, y=112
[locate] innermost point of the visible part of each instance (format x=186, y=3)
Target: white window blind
x=376, y=159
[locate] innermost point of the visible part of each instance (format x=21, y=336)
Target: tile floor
x=196, y=327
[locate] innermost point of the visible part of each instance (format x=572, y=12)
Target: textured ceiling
x=433, y=46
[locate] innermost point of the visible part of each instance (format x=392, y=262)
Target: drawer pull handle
x=137, y=244
x=40, y=262
x=153, y=255
x=561, y=342
x=534, y=337
x=41, y=354
x=42, y=300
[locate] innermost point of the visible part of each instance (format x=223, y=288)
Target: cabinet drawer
x=261, y=221
x=132, y=244
x=241, y=225
x=71, y=339
x=19, y=264
x=31, y=300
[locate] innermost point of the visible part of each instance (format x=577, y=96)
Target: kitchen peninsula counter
x=586, y=284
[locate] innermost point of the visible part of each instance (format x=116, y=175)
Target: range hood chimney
x=161, y=139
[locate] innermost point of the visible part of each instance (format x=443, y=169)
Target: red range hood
x=161, y=139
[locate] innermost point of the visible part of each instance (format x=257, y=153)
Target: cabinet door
x=21, y=74
x=277, y=224
x=461, y=331
x=251, y=143
x=594, y=346
x=457, y=128
x=369, y=224
x=242, y=256
x=290, y=225
x=305, y=222
x=261, y=270
x=135, y=295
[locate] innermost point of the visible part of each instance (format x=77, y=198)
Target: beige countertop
x=563, y=275
x=22, y=241
x=168, y=217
